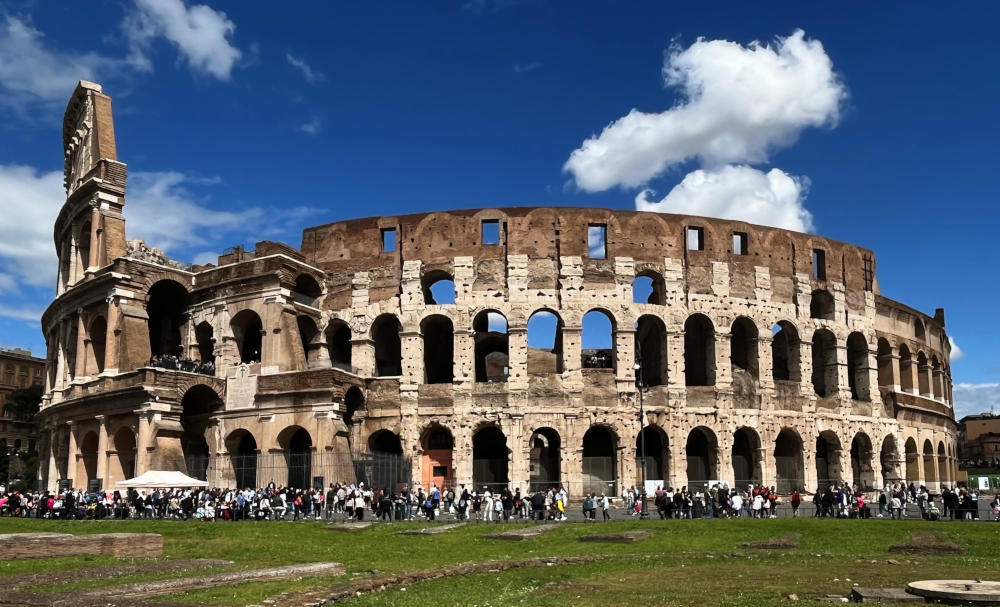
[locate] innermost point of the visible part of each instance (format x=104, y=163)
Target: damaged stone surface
x=40, y=545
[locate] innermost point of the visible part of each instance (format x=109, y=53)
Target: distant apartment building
x=979, y=438
x=18, y=370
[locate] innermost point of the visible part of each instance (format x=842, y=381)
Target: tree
x=24, y=403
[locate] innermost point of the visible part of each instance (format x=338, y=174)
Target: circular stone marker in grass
x=966, y=592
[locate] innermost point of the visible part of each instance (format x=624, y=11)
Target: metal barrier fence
x=302, y=469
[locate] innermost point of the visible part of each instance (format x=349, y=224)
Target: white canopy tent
x=162, y=479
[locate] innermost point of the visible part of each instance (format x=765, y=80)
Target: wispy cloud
x=308, y=73
x=312, y=127
x=527, y=67
x=971, y=399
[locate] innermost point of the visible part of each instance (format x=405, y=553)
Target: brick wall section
x=42, y=545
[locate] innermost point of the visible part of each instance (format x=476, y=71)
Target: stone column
x=95, y=230
x=840, y=374
x=144, y=441
x=806, y=368
x=80, y=364
x=102, y=448
x=363, y=355
x=412, y=350
x=572, y=353
x=464, y=357
x=625, y=355
x=809, y=465
x=765, y=464
x=53, y=468
x=924, y=371
x=914, y=373
x=675, y=360
x=765, y=363
x=893, y=361
x=723, y=362
x=517, y=468
x=111, y=340
x=72, y=455
x=517, y=360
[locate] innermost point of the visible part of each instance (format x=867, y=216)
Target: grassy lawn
x=683, y=563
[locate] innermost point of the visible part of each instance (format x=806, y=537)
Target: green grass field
x=684, y=562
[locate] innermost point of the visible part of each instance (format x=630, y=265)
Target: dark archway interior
x=857, y=367
x=652, y=454
x=198, y=404
x=166, y=305
x=824, y=360
x=651, y=351
x=545, y=459
x=298, y=455
x=249, y=333
x=388, y=348
x=746, y=457
x=98, y=339
x=354, y=401
x=743, y=347
x=439, y=348
x=788, y=462
x=699, y=351
x=338, y=341
x=243, y=454
x=204, y=334
x=700, y=449
x=386, y=442
x=821, y=305
x=489, y=459
x=785, y=353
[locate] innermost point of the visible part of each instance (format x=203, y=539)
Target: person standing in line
x=605, y=506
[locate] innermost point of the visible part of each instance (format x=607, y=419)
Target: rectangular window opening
x=869, y=273
x=491, y=231
x=740, y=240
x=597, y=244
x=819, y=264
x=439, y=471
x=388, y=240
x=696, y=238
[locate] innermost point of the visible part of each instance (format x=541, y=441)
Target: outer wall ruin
x=764, y=355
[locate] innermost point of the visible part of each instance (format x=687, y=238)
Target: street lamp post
x=642, y=435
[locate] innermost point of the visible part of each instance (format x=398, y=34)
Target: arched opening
x=746, y=457
x=884, y=354
x=923, y=374
x=702, y=457
x=338, y=341
x=249, y=333
x=545, y=459
x=492, y=354
x=83, y=247
x=437, y=467
x=439, y=347
x=824, y=360
x=943, y=473
x=354, y=401
x=438, y=287
x=545, y=343
x=862, y=471
x=786, y=352
x=98, y=338
x=598, y=341
x=743, y=348
x=652, y=455
x=86, y=470
x=388, y=348
x=827, y=459
x=930, y=469
x=307, y=336
x=649, y=288
x=297, y=445
x=788, y=462
x=385, y=442
x=242, y=448
x=905, y=369
x=307, y=290
x=821, y=305
x=858, y=372
x=489, y=459
x=165, y=308
x=121, y=463
x=699, y=351
x=912, y=462
x=651, y=350
x=204, y=334
x=197, y=406
x=889, y=459
x=600, y=461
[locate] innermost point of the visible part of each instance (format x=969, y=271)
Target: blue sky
x=239, y=124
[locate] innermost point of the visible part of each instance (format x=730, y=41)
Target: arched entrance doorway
x=387, y=469
x=702, y=456
x=827, y=459
x=165, y=308
x=889, y=458
x=86, y=469
x=121, y=460
x=912, y=462
x=296, y=443
x=746, y=458
x=600, y=461
x=652, y=455
x=930, y=469
x=197, y=406
x=489, y=459
x=437, y=467
x=544, y=459
x=788, y=465
x=242, y=448
x=862, y=472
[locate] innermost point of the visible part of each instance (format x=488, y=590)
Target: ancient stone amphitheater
x=522, y=346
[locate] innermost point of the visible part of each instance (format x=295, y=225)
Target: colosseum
x=520, y=346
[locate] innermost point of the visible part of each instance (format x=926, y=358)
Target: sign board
x=984, y=483
x=652, y=485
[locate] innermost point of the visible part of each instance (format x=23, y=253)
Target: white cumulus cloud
x=971, y=399
x=774, y=198
x=308, y=73
x=956, y=352
x=737, y=104
x=31, y=71
x=202, y=35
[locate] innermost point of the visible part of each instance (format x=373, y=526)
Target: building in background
x=979, y=440
x=18, y=370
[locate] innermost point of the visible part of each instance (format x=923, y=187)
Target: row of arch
x=916, y=374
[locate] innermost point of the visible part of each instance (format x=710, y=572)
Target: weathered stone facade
x=764, y=355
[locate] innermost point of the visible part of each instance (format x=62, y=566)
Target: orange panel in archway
x=437, y=469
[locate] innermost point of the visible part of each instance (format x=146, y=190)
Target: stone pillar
x=517, y=466
x=841, y=371
x=72, y=454
x=914, y=373
x=80, y=364
x=102, y=448
x=517, y=359
x=95, y=231
x=766, y=465
x=412, y=349
x=625, y=355
x=465, y=358
x=805, y=368
x=319, y=352
x=53, y=468
x=723, y=362
x=572, y=353
x=765, y=363
x=809, y=465
x=893, y=361
x=363, y=355
x=924, y=371
x=111, y=340
x=675, y=360
x=144, y=441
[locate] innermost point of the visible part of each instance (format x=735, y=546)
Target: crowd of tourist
x=349, y=501
x=175, y=363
